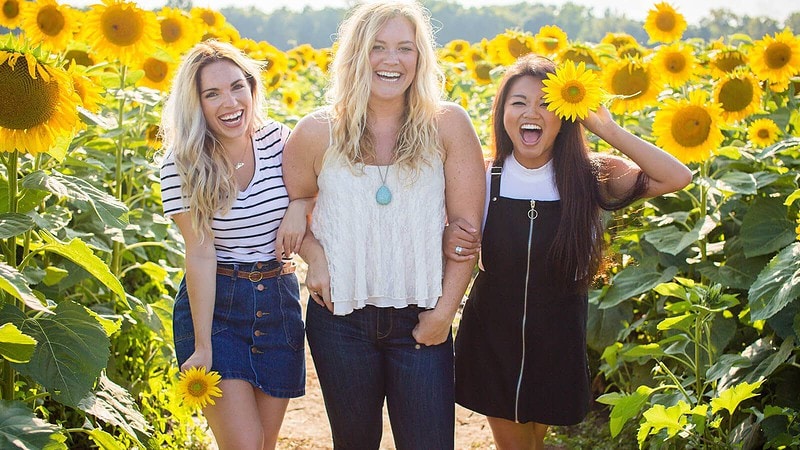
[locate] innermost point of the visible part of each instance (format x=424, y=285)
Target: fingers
x=321, y=297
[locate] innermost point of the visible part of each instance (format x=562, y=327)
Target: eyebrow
x=378, y=41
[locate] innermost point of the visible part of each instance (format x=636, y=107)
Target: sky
x=692, y=10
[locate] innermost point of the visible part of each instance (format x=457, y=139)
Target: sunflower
x=619, y=40
x=688, y=128
x=664, y=23
x=632, y=51
x=211, y=17
x=506, y=47
x=90, y=92
x=79, y=54
x=776, y=59
x=38, y=111
x=550, y=40
x=634, y=82
x=482, y=72
x=739, y=95
x=48, y=24
x=676, y=63
x=158, y=72
x=277, y=65
x=300, y=56
x=197, y=387
x=324, y=58
x=763, y=133
x=725, y=61
x=152, y=135
x=10, y=14
x=179, y=31
x=120, y=30
x=290, y=98
x=572, y=91
x=580, y=53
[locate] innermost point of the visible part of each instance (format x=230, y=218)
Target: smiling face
x=530, y=125
x=227, y=102
x=393, y=59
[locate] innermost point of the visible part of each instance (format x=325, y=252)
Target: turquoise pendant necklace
x=383, y=196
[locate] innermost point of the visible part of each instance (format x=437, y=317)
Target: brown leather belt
x=288, y=267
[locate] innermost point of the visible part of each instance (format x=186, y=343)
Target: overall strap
x=494, y=189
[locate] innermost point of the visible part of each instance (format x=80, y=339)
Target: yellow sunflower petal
x=739, y=94
x=120, y=30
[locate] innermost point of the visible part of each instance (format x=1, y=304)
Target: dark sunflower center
x=11, y=9
x=171, y=30
x=208, y=18
x=122, y=26
x=736, y=95
x=729, y=61
x=80, y=57
x=573, y=92
x=579, y=56
x=550, y=43
x=777, y=55
x=763, y=133
x=155, y=69
x=25, y=102
x=665, y=21
x=50, y=20
x=630, y=81
x=482, y=70
x=691, y=126
x=676, y=63
x=198, y=388
x=517, y=48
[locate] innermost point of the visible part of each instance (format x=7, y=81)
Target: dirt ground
x=306, y=424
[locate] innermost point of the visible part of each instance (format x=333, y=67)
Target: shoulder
x=272, y=128
x=453, y=121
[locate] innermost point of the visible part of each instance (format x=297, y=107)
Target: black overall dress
x=521, y=343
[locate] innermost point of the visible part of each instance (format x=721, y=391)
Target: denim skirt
x=257, y=333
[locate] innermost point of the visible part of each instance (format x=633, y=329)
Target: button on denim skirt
x=257, y=331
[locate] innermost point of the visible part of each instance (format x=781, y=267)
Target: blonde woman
x=237, y=310
x=388, y=162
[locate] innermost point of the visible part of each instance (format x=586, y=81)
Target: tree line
x=285, y=28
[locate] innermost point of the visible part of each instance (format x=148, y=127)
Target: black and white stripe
x=247, y=232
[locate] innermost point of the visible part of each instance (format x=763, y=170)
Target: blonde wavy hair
x=206, y=173
x=349, y=89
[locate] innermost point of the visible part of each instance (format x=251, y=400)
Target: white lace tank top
x=381, y=255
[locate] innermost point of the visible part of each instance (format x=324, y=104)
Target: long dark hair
x=576, y=251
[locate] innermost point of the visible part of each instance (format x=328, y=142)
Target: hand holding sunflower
x=197, y=387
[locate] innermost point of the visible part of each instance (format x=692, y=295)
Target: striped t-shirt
x=247, y=232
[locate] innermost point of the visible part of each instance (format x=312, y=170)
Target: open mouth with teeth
x=232, y=118
x=388, y=76
x=531, y=133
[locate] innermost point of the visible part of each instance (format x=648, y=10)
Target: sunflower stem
x=116, y=252
x=9, y=374
x=703, y=244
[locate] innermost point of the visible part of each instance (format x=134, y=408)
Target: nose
x=392, y=55
x=229, y=99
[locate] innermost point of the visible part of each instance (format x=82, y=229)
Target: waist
x=256, y=271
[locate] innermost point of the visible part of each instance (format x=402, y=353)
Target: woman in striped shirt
x=237, y=311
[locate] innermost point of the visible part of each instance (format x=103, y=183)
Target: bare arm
x=464, y=197
x=201, y=284
x=302, y=162
x=666, y=173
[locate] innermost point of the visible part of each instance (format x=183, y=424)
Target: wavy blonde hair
x=349, y=90
x=206, y=173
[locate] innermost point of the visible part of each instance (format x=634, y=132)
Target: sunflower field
x=694, y=329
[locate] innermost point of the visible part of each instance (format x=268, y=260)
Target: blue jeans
x=369, y=355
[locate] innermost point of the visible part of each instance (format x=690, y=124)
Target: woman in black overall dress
x=521, y=343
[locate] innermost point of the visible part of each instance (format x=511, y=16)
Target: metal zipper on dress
x=532, y=215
